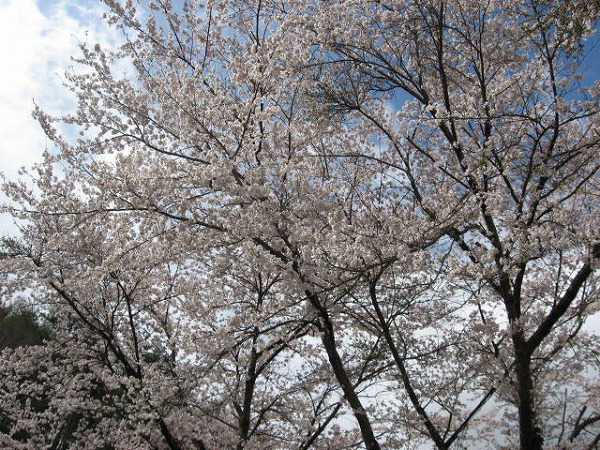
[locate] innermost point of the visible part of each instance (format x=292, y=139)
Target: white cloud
x=35, y=49
x=22, y=52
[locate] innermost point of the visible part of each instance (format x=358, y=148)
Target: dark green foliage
x=20, y=326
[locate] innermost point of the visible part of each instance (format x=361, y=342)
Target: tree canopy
x=311, y=224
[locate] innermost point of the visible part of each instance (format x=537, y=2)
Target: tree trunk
x=357, y=409
x=529, y=433
x=328, y=339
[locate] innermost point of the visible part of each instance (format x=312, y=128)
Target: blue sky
x=592, y=60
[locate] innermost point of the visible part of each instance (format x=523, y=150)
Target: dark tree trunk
x=337, y=365
x=529, y=433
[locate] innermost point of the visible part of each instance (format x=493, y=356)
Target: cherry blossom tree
x=293, y=225
x=491, y=149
